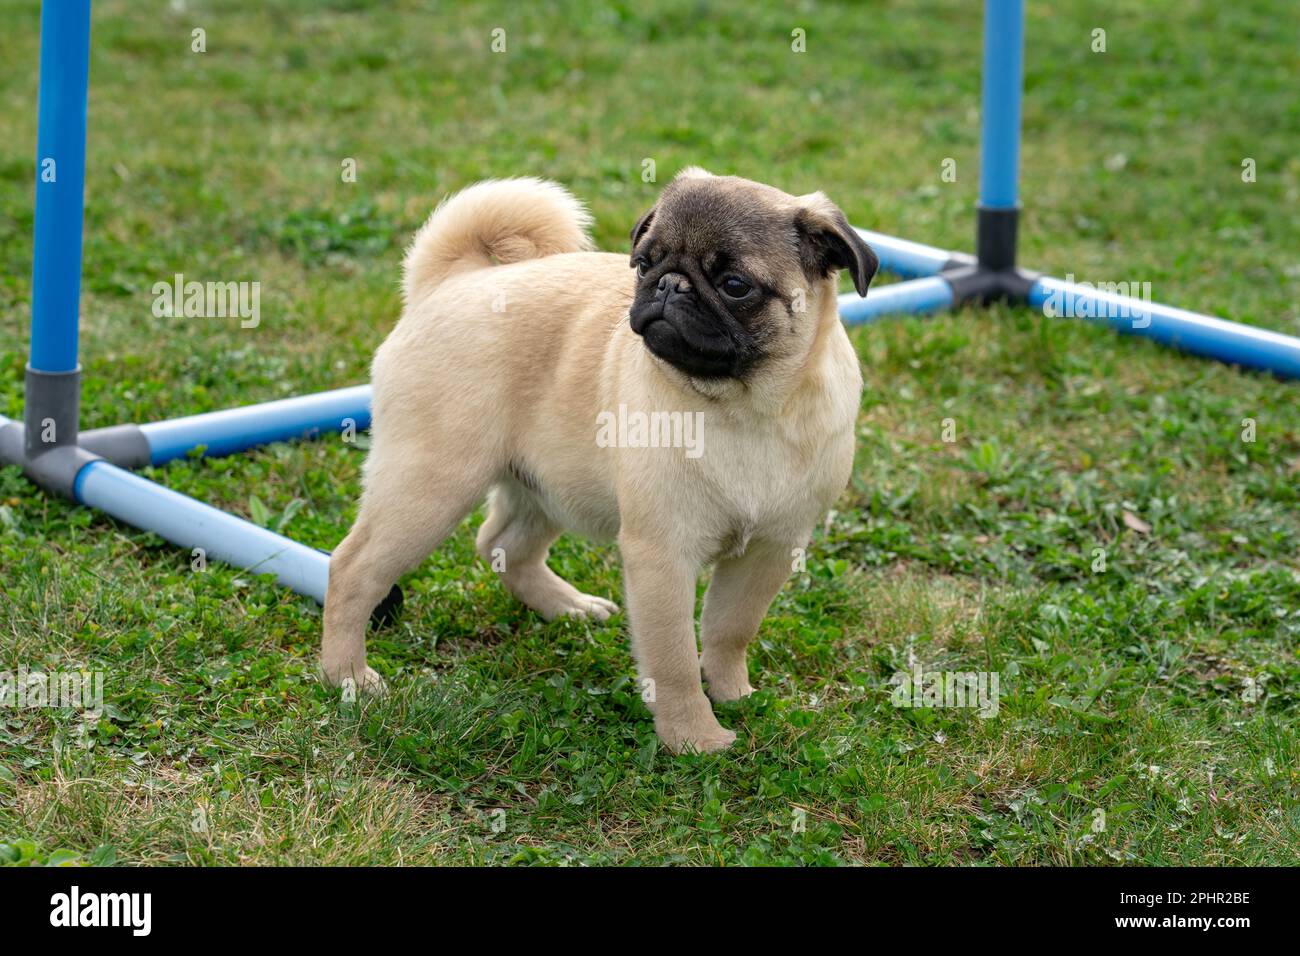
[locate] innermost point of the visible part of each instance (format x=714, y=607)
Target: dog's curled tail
x=495, y=221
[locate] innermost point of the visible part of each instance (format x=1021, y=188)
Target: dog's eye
x=735, y=287
x=642, y=266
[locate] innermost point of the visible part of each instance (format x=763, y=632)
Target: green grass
x=508, y=740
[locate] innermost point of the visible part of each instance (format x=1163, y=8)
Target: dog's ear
x=642, y=226
x=827, y=242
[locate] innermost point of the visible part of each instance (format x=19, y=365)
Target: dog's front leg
x=659, y=587
x=734, y=606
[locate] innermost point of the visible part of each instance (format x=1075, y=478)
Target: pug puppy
x=698, y=406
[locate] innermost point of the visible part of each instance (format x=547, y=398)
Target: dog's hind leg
x=407, y=510
x=514, y=540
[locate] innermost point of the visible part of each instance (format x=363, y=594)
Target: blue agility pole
x=45, y=445
x=191, y=524
x=232, y=430
x=60, y=184
x=237, y=429
x=998, y=211
x=927, y=294
x=1004, y=32
x=1244, y=345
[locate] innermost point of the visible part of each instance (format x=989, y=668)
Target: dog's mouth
x=697, y=355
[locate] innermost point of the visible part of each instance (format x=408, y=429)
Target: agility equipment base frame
x=94, y=468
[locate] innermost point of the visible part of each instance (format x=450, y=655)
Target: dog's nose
x=675, y=282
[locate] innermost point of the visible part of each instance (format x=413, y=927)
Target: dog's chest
x=765, y=486
x=735, y=540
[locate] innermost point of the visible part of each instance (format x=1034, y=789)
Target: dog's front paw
x=728, y=684
x=727, y=680
x=725, y=692
x=354, y=680
x=699, y=735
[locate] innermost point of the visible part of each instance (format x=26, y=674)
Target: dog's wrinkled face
x=727, y=270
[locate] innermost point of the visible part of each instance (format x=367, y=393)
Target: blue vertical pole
x=998, y=211
x=1004, y=31
x=60, y=183
x=53, y=381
